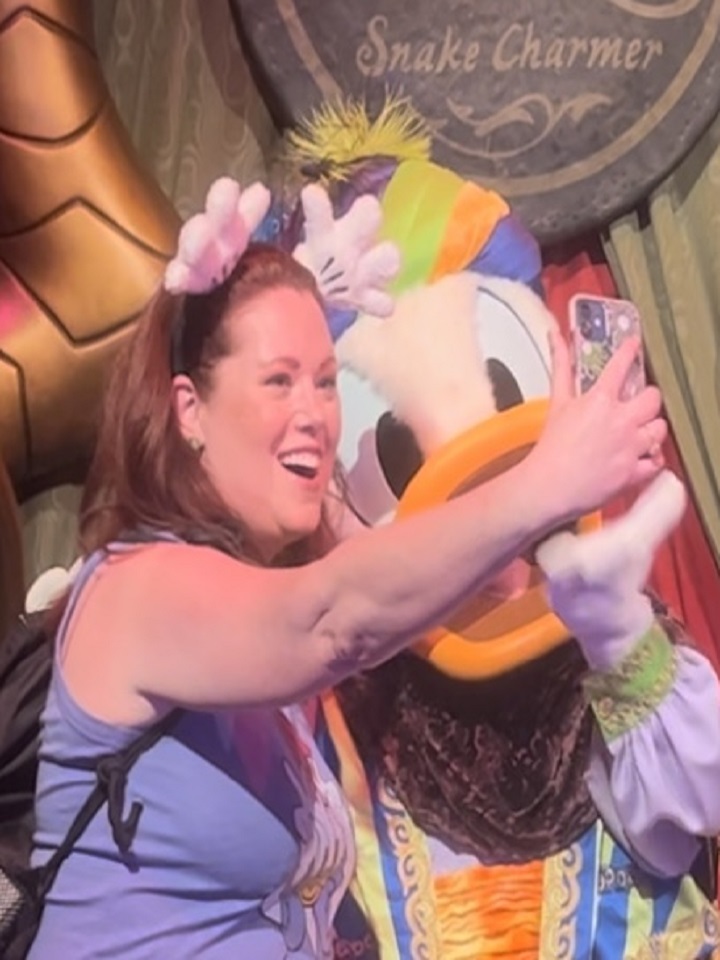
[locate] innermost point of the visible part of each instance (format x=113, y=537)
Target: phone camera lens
x=591, y=322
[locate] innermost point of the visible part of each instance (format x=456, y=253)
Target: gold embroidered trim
x=622, y=698
x=561, y=893
x=686, y=940
x=414, y=873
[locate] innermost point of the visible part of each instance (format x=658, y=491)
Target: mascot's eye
x=398, y=452
x=512, y=327
x=505, y=387
x=378, y=452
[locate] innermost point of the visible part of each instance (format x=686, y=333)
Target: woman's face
x=271, y=421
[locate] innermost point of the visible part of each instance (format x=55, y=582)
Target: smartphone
x=598, y=325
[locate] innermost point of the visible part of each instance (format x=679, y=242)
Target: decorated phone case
x=598, y=325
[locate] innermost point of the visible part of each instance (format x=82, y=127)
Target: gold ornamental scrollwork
x=414, y=874
x=531, y=110
x=657, y=11
x=561, y=889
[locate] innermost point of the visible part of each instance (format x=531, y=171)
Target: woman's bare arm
x=198, y=628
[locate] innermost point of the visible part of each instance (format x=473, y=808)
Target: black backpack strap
x=111, y=772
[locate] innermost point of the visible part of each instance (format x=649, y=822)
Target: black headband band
x=186, y=319
x=177, y=338
x=190, y=325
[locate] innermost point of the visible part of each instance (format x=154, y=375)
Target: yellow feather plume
x=339, y=134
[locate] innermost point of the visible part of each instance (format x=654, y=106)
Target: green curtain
x=182, y=86
x=666, y=258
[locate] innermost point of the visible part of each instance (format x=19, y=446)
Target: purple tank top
x=243, y=847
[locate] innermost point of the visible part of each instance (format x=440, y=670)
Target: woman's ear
x=186, y=405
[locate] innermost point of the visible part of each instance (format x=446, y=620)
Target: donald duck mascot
x=519, y=782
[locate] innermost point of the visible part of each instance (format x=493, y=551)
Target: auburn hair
x=144, y=474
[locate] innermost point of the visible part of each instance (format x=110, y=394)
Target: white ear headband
x=350, y=267
x=212, y=242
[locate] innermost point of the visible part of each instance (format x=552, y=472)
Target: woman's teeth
x=303, y=464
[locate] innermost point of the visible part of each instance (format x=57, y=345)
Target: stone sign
x=573, y=111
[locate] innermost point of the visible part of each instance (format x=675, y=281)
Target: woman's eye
x=279, y=380
x=328, y=383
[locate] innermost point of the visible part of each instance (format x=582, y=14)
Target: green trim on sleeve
x=623, y=698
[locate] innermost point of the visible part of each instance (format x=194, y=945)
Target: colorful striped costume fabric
x=589, y=902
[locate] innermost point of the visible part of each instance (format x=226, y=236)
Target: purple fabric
x=658, y=786
x=287, y=227
x=218, y=844
x=512, y=252
x=368, y=176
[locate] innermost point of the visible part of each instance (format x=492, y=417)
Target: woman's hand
x=596, y=445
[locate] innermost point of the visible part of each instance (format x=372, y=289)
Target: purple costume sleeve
x=657, y=784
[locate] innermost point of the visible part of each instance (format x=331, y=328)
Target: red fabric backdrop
x=685, y=574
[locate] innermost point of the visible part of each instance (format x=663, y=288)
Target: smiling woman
x=213, y=438
x=267, y=417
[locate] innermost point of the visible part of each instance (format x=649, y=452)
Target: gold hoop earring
x=196, y=445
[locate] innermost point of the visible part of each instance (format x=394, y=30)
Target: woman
x=210, y=585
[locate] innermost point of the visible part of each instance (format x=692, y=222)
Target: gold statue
x=84, y=236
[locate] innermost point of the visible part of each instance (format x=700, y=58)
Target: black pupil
x=505, y=386
x=397, y=452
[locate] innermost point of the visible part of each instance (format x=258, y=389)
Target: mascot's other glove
x=49, y=587
x=595, y=582
x=350, y=268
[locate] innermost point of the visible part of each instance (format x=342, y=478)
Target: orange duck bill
x=509, y=623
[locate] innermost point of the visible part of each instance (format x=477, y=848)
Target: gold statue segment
x=85, y=233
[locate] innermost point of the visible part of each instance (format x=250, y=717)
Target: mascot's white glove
x=350, y=267
x=212, y=242
x=49, y=587
x=595, y=582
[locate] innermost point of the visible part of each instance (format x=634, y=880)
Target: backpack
x=26, y=657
